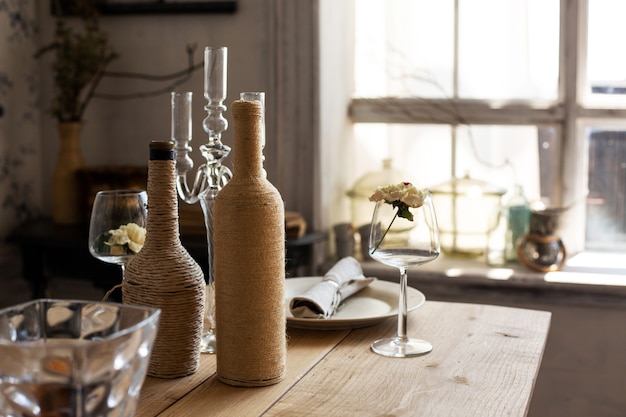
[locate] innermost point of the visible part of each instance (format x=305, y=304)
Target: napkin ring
x=336, y=298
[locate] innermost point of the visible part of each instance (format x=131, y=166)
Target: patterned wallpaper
x=20, y=136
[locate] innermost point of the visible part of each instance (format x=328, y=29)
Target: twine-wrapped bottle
x=249, y=263
x=164, y=275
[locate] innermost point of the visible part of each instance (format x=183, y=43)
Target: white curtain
x=20, y=138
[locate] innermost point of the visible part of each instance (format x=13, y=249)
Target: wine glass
x=402, y=243
x=118, y=226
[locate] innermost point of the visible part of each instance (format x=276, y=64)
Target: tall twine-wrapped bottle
x=164, y=275
x=249, y=263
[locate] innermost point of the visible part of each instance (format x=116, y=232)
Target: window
x=485, y=88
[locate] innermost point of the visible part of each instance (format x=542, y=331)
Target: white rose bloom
x=404, y=192
x=414, y=198
x=135, y=247
x=118, y=237
x=130, y=234
x=136, y=235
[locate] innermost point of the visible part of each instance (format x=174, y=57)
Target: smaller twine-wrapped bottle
x=165, y=276
x=249, y=263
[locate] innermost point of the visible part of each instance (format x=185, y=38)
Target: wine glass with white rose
x=404, y=233
x=117, y=228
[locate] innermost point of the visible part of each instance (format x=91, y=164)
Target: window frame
x=567, y=112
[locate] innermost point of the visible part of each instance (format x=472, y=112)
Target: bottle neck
x=162, y=217
x=248, y=135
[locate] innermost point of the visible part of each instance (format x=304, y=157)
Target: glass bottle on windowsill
x=513, y=222
x=496, y=242
x=518, y=218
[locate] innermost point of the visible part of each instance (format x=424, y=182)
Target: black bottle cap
x=161, y=151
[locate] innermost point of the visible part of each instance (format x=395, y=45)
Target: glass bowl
x=74, y=358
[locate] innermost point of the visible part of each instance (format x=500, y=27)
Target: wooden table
x=484, y=363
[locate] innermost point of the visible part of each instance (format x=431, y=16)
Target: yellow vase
x=68, y=203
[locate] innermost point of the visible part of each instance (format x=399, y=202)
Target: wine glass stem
x=108, y=293
x=402, y=309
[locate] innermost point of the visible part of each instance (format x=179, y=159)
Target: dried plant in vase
x=80, y=57
x=80, y=60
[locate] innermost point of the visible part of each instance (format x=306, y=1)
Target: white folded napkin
x=344, y=279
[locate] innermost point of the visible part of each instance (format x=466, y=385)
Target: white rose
x=136, y=236
x=404, y=192
x=118, y=237
x=130, y=234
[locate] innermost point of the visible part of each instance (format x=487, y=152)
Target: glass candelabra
x=211, y=176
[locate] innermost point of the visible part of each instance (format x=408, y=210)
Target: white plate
x=369, y=306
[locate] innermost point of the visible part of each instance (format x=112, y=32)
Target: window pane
x=421, y=151
x=512, y=54
x=500, y=155
x=404, y=48
x=508, y=155
x=606, y=203
x=418, y=153
x=606, y=64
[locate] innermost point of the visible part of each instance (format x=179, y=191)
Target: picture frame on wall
x=112, y=7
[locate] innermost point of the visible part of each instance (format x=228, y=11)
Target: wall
x=119, y=131
x=264, y=38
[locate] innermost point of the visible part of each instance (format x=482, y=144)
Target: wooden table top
x=484, y=362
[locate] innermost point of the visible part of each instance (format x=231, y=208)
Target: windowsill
x=587, y=278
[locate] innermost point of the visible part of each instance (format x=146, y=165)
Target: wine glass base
x=208, y=343
x=401, y=348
